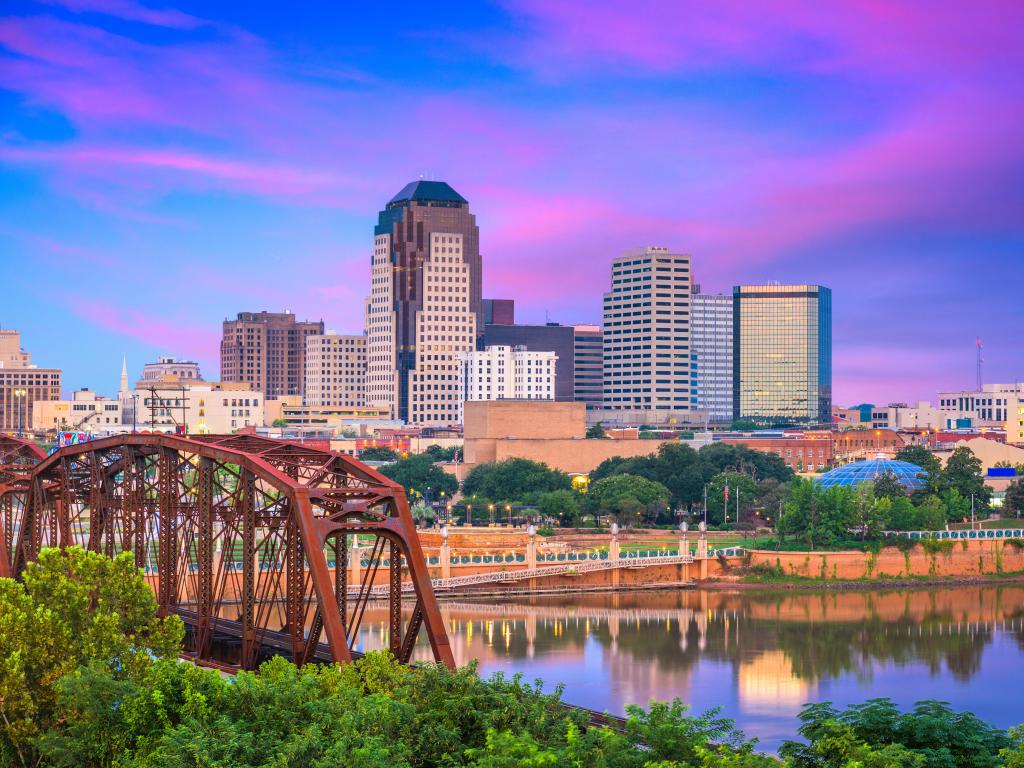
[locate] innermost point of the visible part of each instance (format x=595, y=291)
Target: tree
x=513, y=479
x=888, y=486
x=743, y=425
x=1013, y=504
x=963, y=473
x=921, y=456
x=378, y=453
x=73, y=608
x=279, y=423
x=562, y=505
x=741, y=487
x=437, y=453
x=630, y=498
x=596, y=432
x=421, y=477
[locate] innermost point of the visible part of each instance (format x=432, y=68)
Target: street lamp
x=21, y=394
x=508, y=510
x=490, y=514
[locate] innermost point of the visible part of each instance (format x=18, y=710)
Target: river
x=757, y=654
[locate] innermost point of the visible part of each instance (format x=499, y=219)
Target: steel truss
x=236, y=532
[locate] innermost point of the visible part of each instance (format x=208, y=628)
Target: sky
x=163, y=168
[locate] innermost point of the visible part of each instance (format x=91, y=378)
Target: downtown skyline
x=161, y=170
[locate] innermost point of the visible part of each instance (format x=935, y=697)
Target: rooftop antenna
x=980, y=361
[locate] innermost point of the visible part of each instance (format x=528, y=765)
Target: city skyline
x=163, y=171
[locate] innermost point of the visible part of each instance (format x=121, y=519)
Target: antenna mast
x=980, y=361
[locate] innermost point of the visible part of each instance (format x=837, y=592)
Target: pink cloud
x=131, y=11
x=148, y=328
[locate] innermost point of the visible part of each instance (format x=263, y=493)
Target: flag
x=727, y=492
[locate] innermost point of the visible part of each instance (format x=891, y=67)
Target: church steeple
x=124, y=374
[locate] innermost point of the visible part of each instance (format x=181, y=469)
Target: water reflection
x=758, y=654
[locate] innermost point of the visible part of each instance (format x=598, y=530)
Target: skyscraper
x=425, y=305
x=22, y=384
x=267, y=351
x=646, y=344
x=712, y=345
x=782, y=354
x=335, y=370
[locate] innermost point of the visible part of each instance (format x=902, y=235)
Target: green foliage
x=877, y=733
x=378, y=453
x=596, y=432
x=631, y=498
x=513, y=480
x=437, y=453
x=563, y=505
x=740, y=486
x=279, y=423
x=921, y=456
x=73, y=609
x=744, y=425
x=963, y=474
x=1013, y=504
x=421, y=477
x=888, y=486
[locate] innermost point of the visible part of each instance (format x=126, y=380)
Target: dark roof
x=434, y=191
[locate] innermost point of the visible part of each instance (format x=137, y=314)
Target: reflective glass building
x=782, y=354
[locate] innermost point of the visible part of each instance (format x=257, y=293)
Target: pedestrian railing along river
x=972, y=535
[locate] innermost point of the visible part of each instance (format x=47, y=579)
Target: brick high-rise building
x=22, y=384
x=647, y=352
x=425, y=305
x=267, y=351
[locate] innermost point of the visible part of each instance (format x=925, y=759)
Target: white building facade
x=210, y=408
x=712, y=339
x=506, y=373
x=335, y=370
x=995, y=405
x=646, y=343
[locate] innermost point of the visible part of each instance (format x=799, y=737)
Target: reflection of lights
x=469, y=631
x=490, y=632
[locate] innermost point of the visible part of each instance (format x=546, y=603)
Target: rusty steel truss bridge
x=285, y=511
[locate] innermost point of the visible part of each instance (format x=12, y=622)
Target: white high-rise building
x=501, y=372
x=646, y=344
x=995, y=405
x=425, y=304
x=711, y=334
x=335, y=370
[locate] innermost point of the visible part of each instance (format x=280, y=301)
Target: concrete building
x=588, y=366
x=84, y=412
x=194, y=407
x=22, y=384
x=335, y=370
x=995, y=405
x=507, y=373
x=552, y=337
x=712, y=340
x=267, y=351
x=782, y=354
x=646, y=345
x=425, y=307
x=167, y=367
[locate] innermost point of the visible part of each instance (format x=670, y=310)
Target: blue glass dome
x=911, y=476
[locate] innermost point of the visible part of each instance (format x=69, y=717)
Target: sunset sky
x=163, y=168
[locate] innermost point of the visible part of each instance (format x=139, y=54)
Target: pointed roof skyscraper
x=124, y=374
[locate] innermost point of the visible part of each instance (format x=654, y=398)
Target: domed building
x=911, y=476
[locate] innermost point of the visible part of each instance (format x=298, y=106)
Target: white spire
x=124, y=374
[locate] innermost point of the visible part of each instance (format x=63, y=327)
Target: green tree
x=931, y=513
x=279, y=423
x=596, y=432
x=630, y=498
x=439, y=454
x=963, y=473
x=921, y=456
x=1013, y=504
x=421, y=477
x=741, y=487
x=889, y=486
x=378, y=453
x=72, y=608
x=563, y=505
x=512, y=480
x=743, y=425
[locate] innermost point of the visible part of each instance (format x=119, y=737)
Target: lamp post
x=508, y=510
x=135, y=409
x=490, y=514
x=20, y=394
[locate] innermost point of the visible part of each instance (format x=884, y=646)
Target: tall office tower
x=499, y=312
x=425, y=306
x=335, y=370
x=588, y=365
x=267, y=351
x=711, y=320
x=507, y=373
x=782, y=354
x=646, y=346
x=539, y=338
x=22, y=384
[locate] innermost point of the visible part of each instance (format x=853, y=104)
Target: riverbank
x=760, y=581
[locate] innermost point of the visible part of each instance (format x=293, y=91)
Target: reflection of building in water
x=767, y=683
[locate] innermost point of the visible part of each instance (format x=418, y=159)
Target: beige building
x=168, y=367
x=22, y=384
x=335, y=370
x=195, y=407
x=545, y=431
x=337, y=418
x=994, y=405
x=84, y=412
x=506, y=373
x=425, y=305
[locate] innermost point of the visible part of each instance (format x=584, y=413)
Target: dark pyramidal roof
x=434, y=191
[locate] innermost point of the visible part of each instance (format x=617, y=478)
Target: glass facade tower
x=782, y=354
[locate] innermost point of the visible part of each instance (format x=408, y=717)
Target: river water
x=757, y=654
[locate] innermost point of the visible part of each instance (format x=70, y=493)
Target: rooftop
x=432, y=191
